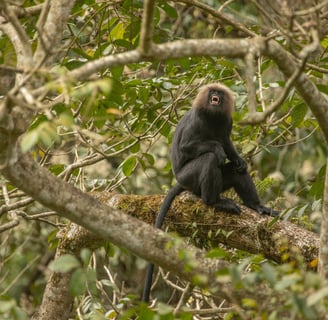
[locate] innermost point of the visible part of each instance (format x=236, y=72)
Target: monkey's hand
x=220, y=154
x=240, y=165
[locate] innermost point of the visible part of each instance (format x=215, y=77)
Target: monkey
x=206, y=163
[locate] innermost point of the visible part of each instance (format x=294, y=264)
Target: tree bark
x=57, y=300
x=190, y=218
x=323, y=252
x=250, y=231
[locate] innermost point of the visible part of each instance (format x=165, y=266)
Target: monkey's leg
x=245, y=188
x=203, y=177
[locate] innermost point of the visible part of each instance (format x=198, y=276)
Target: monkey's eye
x=215, y=99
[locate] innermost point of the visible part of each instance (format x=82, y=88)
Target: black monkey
x=200, y=148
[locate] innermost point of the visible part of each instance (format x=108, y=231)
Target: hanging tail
x=176, y=190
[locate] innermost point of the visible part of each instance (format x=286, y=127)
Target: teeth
x=215, y=99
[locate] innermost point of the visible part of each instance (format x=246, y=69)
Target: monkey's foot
x=265, y=210
x=227, y=205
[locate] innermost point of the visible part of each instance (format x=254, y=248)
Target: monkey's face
x=216, y=100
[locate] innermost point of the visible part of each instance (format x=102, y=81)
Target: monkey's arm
x=232, y=154
x=195, y=148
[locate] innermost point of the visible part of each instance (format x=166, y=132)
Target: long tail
x=176, y=190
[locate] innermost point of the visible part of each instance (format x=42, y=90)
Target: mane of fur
x=201, y=99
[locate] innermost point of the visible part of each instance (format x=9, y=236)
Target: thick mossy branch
x=251, y=232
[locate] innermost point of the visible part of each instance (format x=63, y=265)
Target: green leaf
x=65, y=263
x=324, y=43
x=6, y=304
x=56, y=169
x=317, y=187
x=269, y=273
x=66, y=119
x=166, y=129
x=150, y=158
x=143, y=94
x=117, y=72
x=164, y=308
x=217, y=253
x=287, y=281
x=322, y=88
x=249, y=303
x=135, y=148
x=317, y=296
x=129, y=165
x=29, y=140
x=78, y=283
x=146, y=314
x=170, y=11
x=85, y=255
x=298, y=114
x=48, y=134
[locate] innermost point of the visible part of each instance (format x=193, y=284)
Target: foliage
x=114, y=132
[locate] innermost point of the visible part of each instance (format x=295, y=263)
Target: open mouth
x=215, y=99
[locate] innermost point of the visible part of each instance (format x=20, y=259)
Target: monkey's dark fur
x=200, y=150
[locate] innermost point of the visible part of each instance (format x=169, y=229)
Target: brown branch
x=249, y=75
x=146, y=33
x=219, y=15
x=232, y=48
x=17, y=36
x=249, y=231
x=323, y=253
x=51, y=25
x=306, y=88
x=107, y=222
x=57, y=300
x=255, y=118
x=26, y=12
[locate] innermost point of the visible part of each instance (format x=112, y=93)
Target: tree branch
x=57, y=300
x=232, y=48
x=18, y=37
x=249, y=75
x=306, y=88
x=219, y=15
x=147, y=27
x=108, y=223
x=249, y=231
x=51, y=25
x=323, y=253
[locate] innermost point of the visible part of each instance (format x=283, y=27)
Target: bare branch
x=249, y=75
x=256, y=118
x=106, y=222
x=17, y=35
x=306, y=88
x=146, y=34
x=323, y=251
x=218, y=14
x=232, y=48
x=51, y=29
x=26, y=12
x=16, y=205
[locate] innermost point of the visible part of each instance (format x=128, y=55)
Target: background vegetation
x=89, y=96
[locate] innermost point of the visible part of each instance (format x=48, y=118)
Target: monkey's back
x=195, y=128
x=184, y=129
